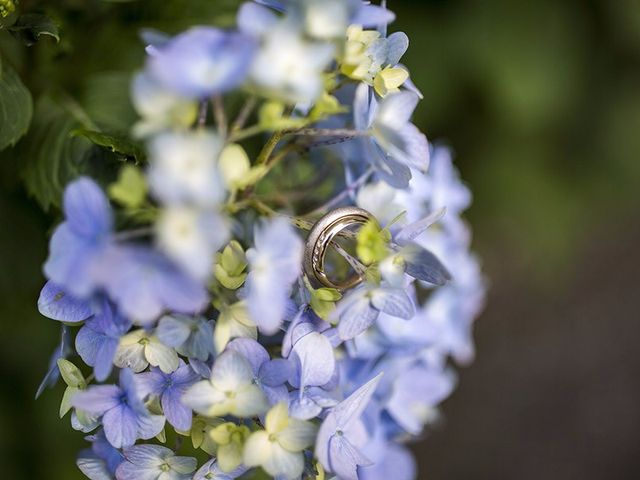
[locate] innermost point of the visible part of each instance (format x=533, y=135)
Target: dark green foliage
x=16, y=106
x=52, y=155
x=30, y=27
x=118, y=144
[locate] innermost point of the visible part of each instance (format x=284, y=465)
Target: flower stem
x=246, y=133
x=267, y=150
x=342, y=195
x=243, y=116
x=131, y=234
x=202, y=116
x=327, y=132
x=219, y=115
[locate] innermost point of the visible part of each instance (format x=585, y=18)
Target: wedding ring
x=320, y=237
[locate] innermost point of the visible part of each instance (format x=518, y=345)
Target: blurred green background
x=540, y=100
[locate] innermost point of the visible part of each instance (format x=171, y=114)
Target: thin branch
x=351, y=260
x=244, y=113
x=131, y=234
x=327, y=132
x=246, y=133
x=326, y=143
x=269, y=147
x=357, y=183
x=219, y=115
x=307, y=225
x=283, y=152
x=202, y=116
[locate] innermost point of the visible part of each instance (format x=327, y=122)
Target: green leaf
x=16, y=107
x=7, y=7
x=323, y=301
x=326, y=106
x=65, y=404
x=234, y=165
x=71, y=374
x=106, y=99
x=230, y=266
x=372, y=243
x=131, y=188
x=116, y=143
x=52, y=156
x=31, y=26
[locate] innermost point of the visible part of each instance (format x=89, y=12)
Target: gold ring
x=319, y=239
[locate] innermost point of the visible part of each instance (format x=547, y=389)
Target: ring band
x=321, y=236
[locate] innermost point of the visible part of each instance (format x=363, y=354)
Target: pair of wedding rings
x=321, y=237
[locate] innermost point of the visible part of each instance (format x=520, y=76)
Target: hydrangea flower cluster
x=180, y=285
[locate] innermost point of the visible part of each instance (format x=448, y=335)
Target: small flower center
x=165, y=467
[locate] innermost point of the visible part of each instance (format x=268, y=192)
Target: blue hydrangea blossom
x=192, y=342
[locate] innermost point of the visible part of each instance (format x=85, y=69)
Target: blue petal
x=396, y=462
x=255, y=19
x=121, y=426
x=104, y=359
x=344, y=458
x=98, y=399
x=176, y=412
x=316, y=361
x=410, y=232
x=393, y=301
x=97, y=341
x=56, y=304
x=373, y=16
x=362, y=107
x=173, y=331
x=104, y=450
x=149, y=425
x=200, y=368
x=144, y=283
x=203, y=61
x=152, y=383
x=397, y=45
x=302, y=407
x=275, y=4
x=184, y=375
x=418, y=386
x=212, y=470
x=93, y=466
x=61, y=351
x=70, y=261
x=87, y=209
x=423, y=265
x=251, y=350
x=350, y=409
x=356, y=315
x=275, y=372
x=200, y=343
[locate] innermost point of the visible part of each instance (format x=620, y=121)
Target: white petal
x=130, y=356
x=277, y=419
x=289, y=465
x=316, y=359
x=257, y=449
x=231, y=371
x=249, y=402
x=159, y=355
x=202, y=396
x=182, y=464
x=298, y=435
